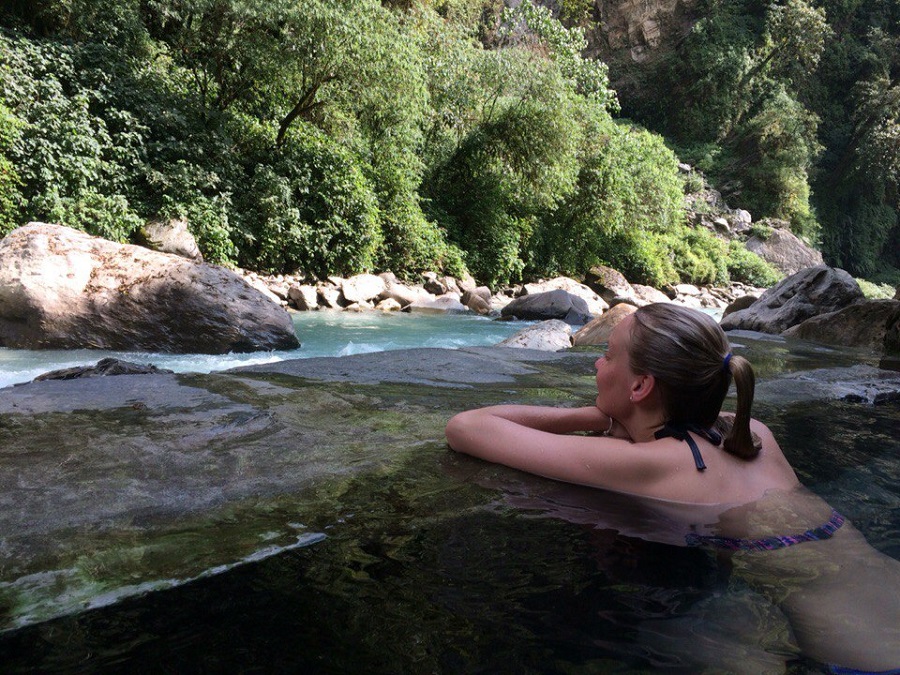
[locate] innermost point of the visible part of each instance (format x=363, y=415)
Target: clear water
x=445, y=564
x=321, y=333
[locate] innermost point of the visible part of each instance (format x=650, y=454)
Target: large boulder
x=596, y=304
x=609, y=283
x=810, y=292
x=783, y=250
x=403, y=293
x=548, y=336
x=64, y=289
x=362, y=288
x=871, y=324
x=557, y=304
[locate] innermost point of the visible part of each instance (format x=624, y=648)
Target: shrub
x=747, y=267
x=10, y=184
x=628, y=190
x=311, y=209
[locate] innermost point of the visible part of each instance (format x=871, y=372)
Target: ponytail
x=740, y=441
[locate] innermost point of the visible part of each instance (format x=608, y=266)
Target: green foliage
x=747, y=267
x=519, y=162
x=791, y=108
x=71, y=161
x=334, y=136
x=628, y=182
x=311, y=209
x=760, y=230
x=533, y=25
x=776, y=148
x=876, y=291
x=10, y=183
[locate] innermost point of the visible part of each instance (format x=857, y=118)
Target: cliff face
x=639, y=27
x=629, y=34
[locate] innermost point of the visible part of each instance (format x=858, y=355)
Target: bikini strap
x=682, y=432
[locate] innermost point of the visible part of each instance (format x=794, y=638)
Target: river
x=321, y=333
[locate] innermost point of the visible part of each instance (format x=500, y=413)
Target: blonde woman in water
x=658, y=432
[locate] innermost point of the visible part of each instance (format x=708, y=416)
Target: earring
x=631, y=398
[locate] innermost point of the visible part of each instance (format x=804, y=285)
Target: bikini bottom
x=825, y=531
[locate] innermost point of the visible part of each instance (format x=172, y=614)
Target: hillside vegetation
x=339, y=136
x=793, y=108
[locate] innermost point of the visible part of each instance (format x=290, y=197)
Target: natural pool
x=421, y=561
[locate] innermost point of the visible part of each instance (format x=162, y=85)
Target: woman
x=657, y=431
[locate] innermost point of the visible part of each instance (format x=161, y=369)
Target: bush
x=876, y=291
x=747, y=267
x=208, y=220
x=11, y=198
x=72, y=167
x=628, y=190
x=310, y=209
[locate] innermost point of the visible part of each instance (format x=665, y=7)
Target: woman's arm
x=546, y=418
x=534, y=439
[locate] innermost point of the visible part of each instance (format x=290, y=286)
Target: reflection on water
x=448, y=564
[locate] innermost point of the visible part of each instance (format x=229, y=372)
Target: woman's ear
x=641, y=387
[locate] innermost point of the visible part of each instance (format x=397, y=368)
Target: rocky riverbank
x=63, y=289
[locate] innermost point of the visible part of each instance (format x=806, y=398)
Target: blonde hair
x=690, y=358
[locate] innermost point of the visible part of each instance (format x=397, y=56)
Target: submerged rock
x=113, y=486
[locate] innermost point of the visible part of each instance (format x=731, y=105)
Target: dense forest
x=793, y=107
x=338, y=136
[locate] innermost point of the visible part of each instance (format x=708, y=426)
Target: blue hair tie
x=725, y=362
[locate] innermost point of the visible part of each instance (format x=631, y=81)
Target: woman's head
x=690, y=359
x=684, y=350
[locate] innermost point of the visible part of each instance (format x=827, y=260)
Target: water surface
x=321, y=333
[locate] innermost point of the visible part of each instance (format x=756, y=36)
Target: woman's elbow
x=453, y=431
x=456, y=431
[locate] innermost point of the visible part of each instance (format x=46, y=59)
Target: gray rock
x=595, y=304
x=64, y=289
x=172, y=236
x=808, y=293
x=329, y=295
x=304, y=297
x=784, y=251
x=597, y=332
x=608, y=283
x=740, y=303
x=448, y=302
x=403, y=293
x=870, y=324
x=550, y=336
x=362, y=288
x=557, y=304
x=476, y=302
x=103, y=368
x=648, y=294
x=388, y=305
